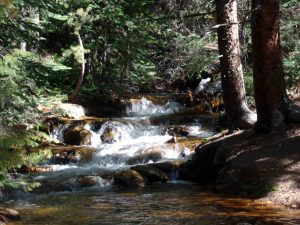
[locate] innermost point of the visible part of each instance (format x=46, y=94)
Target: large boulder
x=71, y=110
x=78, y=135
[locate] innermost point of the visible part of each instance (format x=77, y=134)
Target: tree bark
x=238, y=114
x=272, y=104
x=79, y=82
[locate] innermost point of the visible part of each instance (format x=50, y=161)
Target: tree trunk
x=238, y=114
x=272, y=104
x=79, y=82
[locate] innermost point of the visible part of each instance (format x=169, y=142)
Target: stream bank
x=254, y=166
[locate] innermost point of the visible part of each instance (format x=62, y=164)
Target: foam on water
x=145, y=107
x=133, y=137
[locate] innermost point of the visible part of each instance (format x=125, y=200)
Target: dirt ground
x=251, y=165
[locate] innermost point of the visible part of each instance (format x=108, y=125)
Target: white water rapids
x=135, y=140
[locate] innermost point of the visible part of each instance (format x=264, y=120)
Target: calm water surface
x=170, y=203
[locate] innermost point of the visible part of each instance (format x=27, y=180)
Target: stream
x=82, y=191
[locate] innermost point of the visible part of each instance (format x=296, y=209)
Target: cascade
x=119, y=143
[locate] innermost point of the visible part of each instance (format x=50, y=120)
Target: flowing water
x=65, y=198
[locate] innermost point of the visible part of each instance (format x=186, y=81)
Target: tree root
x=245, y=120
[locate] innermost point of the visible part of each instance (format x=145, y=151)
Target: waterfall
x=131, y=140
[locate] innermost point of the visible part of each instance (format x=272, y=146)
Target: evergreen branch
x=171, y=17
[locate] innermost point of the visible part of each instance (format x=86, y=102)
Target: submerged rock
x=46, y=187
x=129, y=178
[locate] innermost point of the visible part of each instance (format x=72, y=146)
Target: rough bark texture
x=239, y=115
x=269, y=84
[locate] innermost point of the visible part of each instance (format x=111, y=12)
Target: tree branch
x=180, y=17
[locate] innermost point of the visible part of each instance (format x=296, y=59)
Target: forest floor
x=252, y=165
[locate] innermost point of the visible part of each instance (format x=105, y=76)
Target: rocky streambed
x=131, y=170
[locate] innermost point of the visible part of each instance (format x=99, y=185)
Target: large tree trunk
x=238, y=114
x=79, y=82
x=268, y=76
x=272, y=105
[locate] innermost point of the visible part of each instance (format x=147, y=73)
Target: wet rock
x=178, y=131
x=71, y=154
x=129, y=178
x=86, y=137
x=9, y=214
x=172, y=167
x=145, y=158
x=86, y=181
x=151, y=173
x=96, y=125
x=168, y=166
x=189, y=143
x=65, y=157
x=46, y=187
x=77, y=135
x=109, y=135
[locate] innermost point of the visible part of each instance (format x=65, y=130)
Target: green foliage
x=292, y=67
x=17, y=99
x=13, y=154
x=119, y=43
x=195, y=46
x=290, y=40
x=24, y=75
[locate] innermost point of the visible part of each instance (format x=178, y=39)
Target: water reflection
x=159, y=204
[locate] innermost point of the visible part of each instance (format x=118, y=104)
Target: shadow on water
x=170, y=203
